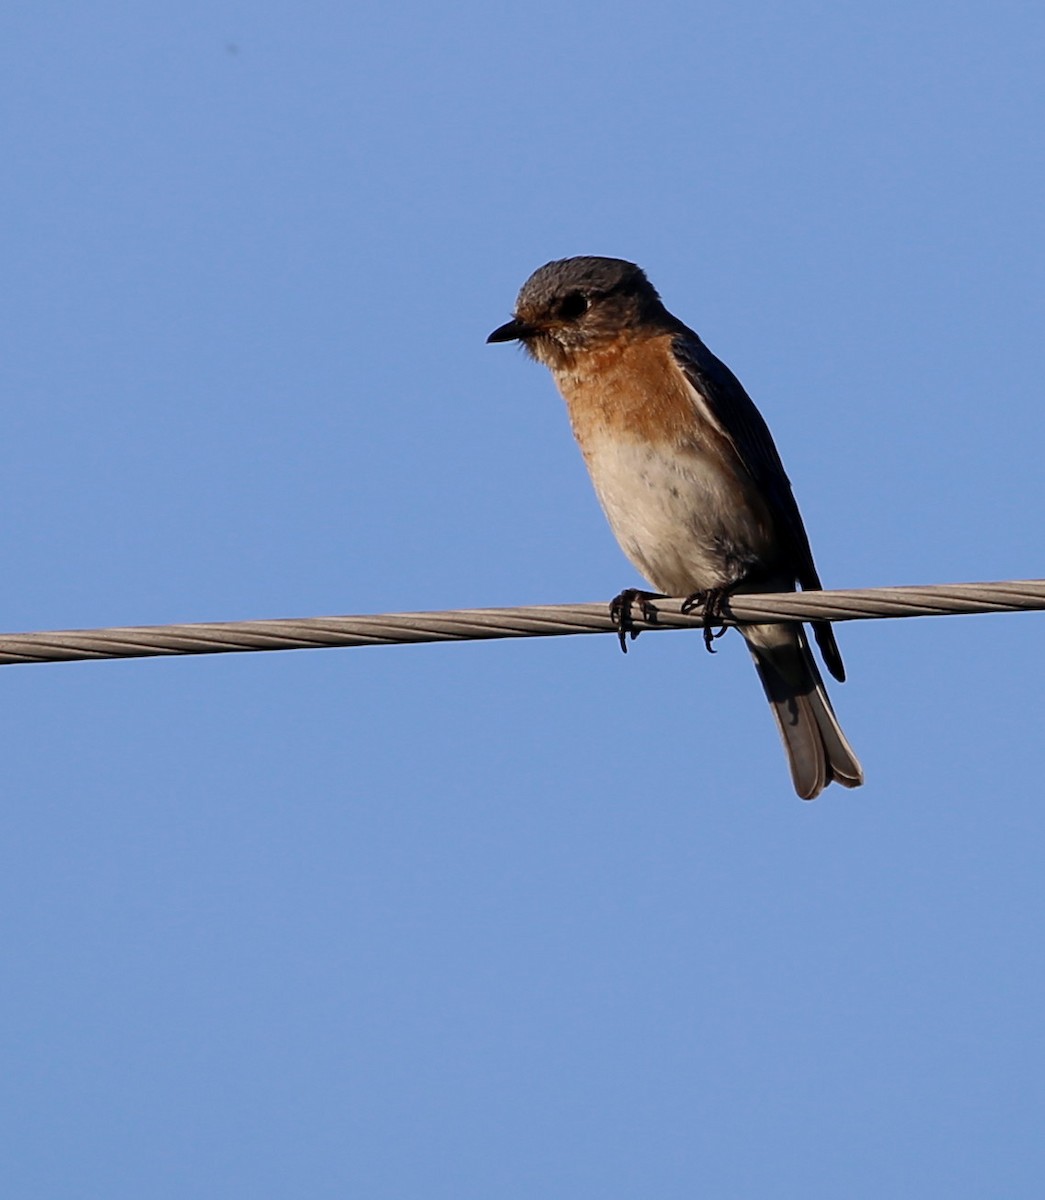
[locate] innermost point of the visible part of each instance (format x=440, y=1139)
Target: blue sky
x=526, y=919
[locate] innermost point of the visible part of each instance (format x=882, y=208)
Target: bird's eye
x=574, y=305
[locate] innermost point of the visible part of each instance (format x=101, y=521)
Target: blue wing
x=736, y=414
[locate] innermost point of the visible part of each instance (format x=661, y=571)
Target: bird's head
x=576, y=304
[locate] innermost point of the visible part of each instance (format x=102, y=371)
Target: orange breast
x=631, y=389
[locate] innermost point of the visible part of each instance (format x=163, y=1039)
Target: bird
x=690, y=480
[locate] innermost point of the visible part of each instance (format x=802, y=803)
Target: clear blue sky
x=531, y=919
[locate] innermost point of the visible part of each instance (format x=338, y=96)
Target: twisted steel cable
x=549, y=620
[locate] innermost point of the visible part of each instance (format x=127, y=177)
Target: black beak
x=512, y=331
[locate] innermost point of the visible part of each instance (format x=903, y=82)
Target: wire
x=550, y=620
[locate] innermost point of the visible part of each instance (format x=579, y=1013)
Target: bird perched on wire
x=689, y=478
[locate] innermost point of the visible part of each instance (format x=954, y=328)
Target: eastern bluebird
x=689, y=478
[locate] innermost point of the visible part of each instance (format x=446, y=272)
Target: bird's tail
x=816, y=747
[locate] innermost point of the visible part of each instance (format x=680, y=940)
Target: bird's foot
x=713, y=601
x=621, y=612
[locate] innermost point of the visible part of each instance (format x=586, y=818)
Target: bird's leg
x=621, y=612
x=713, y=602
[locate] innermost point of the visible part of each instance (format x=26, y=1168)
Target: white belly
x=686, y=520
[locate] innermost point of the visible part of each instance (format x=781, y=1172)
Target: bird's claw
x=713, y=602
x=621, y=613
